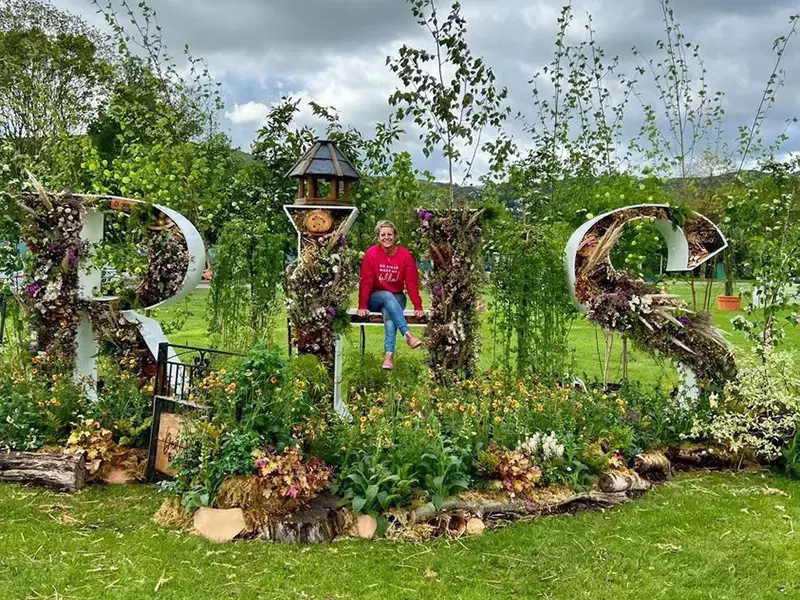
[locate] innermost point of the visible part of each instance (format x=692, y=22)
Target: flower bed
x=416, y=449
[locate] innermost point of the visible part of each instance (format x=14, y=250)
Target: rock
x=475, y=526
x=118, y=475
x=219, y=525
x=366, y=526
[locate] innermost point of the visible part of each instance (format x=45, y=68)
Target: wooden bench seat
x=376, y=319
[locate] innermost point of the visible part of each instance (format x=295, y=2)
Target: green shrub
x=35, y=411
x=758, y=412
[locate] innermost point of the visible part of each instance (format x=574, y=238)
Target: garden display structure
x=319, y=282
x=622, y=302
x=68, y=316
x=279, y=469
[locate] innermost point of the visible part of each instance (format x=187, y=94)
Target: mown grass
x=720, y=536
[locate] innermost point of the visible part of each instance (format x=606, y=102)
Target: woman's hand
x=419, y=313
x=362, y=312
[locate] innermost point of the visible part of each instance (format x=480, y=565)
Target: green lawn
x=702, y=536
x=586, y=340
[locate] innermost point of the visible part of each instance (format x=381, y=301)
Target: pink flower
x=293, y=491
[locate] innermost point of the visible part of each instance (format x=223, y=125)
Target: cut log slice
x=60, y=472
x=622, y=480
x=653, y=464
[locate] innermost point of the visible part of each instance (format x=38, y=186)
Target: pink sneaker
x=388, y=362
x=412, y=341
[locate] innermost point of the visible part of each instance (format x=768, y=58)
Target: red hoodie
x=380, y=271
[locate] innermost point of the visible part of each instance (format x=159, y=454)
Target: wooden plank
x=376, y=318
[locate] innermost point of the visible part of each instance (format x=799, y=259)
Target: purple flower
x=32, y=289
x=331, y=311
x=685, y=321
x=424, y=215
x=72, y=256
x=342, y=240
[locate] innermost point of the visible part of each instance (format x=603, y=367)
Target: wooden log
x=61, y=472
x=321, y=521
x=702, y=457
x=516, y=507
x=653, y=464
x=620, y=480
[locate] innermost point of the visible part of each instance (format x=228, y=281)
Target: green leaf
x=358, y=504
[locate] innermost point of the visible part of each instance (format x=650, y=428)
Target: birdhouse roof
x=324, y=159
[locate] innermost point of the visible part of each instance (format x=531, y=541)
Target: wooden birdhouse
x=323, y=176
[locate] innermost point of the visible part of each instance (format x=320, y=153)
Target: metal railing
x=179, y=371
x=181, y=368
x=3, y=308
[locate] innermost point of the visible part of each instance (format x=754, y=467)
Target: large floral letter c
x=654, y=320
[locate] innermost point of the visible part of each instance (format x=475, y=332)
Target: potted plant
x=728, y=302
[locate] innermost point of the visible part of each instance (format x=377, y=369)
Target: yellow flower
x=539, y=408
x=363, y=419
x=497, y=419
x=407, y=424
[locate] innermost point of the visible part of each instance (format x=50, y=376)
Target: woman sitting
x=388, y=269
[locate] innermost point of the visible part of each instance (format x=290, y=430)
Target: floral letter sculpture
x=655, y=321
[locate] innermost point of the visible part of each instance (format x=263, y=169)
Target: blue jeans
x=392, y=306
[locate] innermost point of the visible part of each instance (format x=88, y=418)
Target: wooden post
x=624, y=358
x=338, y=401
x=334, y=188
x=150, y=470
x=312, y=188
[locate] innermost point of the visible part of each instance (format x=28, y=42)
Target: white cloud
x=333, y=52
x=248, y=113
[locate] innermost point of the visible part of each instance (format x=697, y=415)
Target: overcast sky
x=334, y=52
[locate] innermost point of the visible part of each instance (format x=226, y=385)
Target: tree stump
x=60, y=472
x=321, y=521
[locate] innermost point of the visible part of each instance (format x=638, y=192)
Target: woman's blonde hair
x=384, y=224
